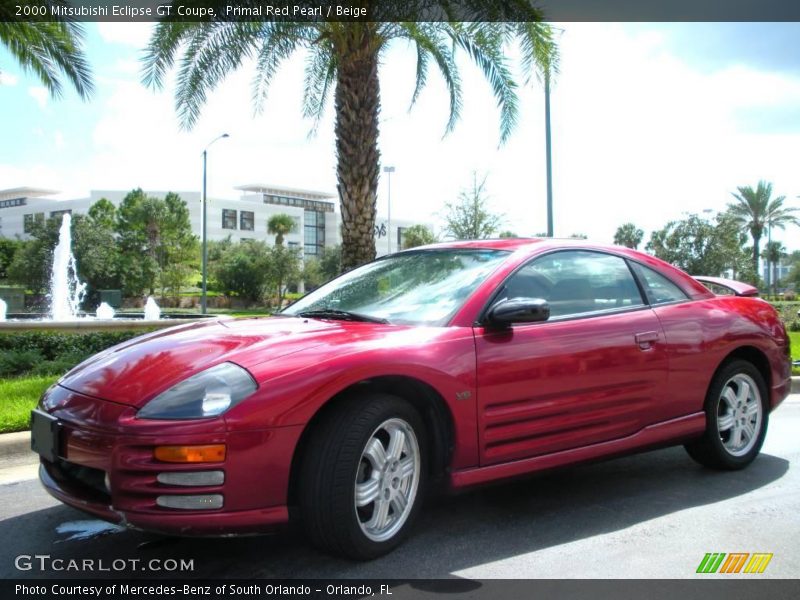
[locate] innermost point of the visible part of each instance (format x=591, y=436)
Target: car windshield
x=422, y=287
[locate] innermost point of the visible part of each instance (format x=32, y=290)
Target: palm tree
x=280, y=225
x=343, y=61
x=755, y=210
x=775, y=251
x=48, y=49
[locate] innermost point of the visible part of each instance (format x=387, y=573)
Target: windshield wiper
x=344, y=315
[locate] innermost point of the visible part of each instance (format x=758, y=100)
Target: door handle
x=646, y=339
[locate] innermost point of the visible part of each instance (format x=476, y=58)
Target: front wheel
x=363, y=476
x=736, y=418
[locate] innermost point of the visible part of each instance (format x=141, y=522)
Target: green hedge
x=44, y=353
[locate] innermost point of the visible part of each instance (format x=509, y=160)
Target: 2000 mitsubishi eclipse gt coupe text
x=460, y=363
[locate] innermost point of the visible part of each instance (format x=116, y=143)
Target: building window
x=13, y=202
x=313, y=232
x=247, y=220
x=30, y=219
x=58, y=214
x=228, y=218
x=300, y=202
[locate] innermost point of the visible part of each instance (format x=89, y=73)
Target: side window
x=658, y=288
x=575, y=282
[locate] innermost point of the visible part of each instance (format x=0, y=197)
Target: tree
x=469, y=218
x=284, y=269
x=330, y=262
x=775, y=251
x=418, y=235
x=280, y=225
x=103, y=213
x=154, y=236
x=8, y=249
x=628, y=235
x=756, y=210
x=50, y=49
x=578, y=236
x=700, y=247
x=508, y=234
x=243, y=270
x=93, y=246
x=343, y=60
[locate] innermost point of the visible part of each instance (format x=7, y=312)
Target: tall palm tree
x=756, y=210
x=775, y=251
x=49, y=49
x=279, y=225
x=343, y=60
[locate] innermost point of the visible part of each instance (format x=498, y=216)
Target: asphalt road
x=654, y=515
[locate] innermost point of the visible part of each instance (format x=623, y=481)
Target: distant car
x=458, y=364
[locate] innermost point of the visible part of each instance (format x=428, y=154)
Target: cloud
x=58, y=140
x=127, y=34
x=40, y=94
x=8, y=79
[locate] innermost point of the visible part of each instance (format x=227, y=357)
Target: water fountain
x=66, y=290
x=151, y=310
x=66, y=294
x=104, y=311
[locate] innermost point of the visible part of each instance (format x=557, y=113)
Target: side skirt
x=672, y=432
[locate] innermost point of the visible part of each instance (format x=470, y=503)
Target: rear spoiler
x=727, y=287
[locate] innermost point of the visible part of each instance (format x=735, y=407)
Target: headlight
x=207, y=394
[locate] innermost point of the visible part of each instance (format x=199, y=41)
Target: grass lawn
x=17, y=397
x=794, y=336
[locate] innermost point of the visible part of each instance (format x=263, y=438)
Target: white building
x=317, y=220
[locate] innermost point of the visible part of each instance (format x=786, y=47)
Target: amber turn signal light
x=190, y=454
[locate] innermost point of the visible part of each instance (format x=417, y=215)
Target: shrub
x=17, y=362
x=53, y=353
x=59, y=365
x=53, y=344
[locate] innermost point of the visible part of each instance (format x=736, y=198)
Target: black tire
x=335, y=462
x=717, y=448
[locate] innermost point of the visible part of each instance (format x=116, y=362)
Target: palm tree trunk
x=756, y=256
x=357, y=108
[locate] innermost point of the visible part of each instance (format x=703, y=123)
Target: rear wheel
x=363, y=476
x=736, y=418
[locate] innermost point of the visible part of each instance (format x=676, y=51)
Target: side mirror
x=518, y=310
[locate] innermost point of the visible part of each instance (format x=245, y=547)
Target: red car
x=457, y=364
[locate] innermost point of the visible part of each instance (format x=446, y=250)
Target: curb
x=15, y=448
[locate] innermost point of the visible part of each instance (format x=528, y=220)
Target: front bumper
x=106, y=467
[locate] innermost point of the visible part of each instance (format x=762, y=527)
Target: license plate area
x=45, y=435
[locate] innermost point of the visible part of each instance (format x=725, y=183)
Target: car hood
x=134, y=372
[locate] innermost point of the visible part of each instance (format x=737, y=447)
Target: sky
x=650, y=122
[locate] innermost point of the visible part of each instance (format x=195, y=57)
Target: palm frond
x=212, y=51
x=484, y=44
x=320, y=79
x=49, y=50
x=430, y=42
x=279, y=41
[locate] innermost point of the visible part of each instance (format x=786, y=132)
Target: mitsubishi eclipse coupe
x=451, y=365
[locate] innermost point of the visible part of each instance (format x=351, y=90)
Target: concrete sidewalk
x=17, y=461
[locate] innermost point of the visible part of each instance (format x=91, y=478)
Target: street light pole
x=389, y=171
x=548, y=155
x=203, y=297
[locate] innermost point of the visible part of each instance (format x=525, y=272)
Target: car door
x=592, y=372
